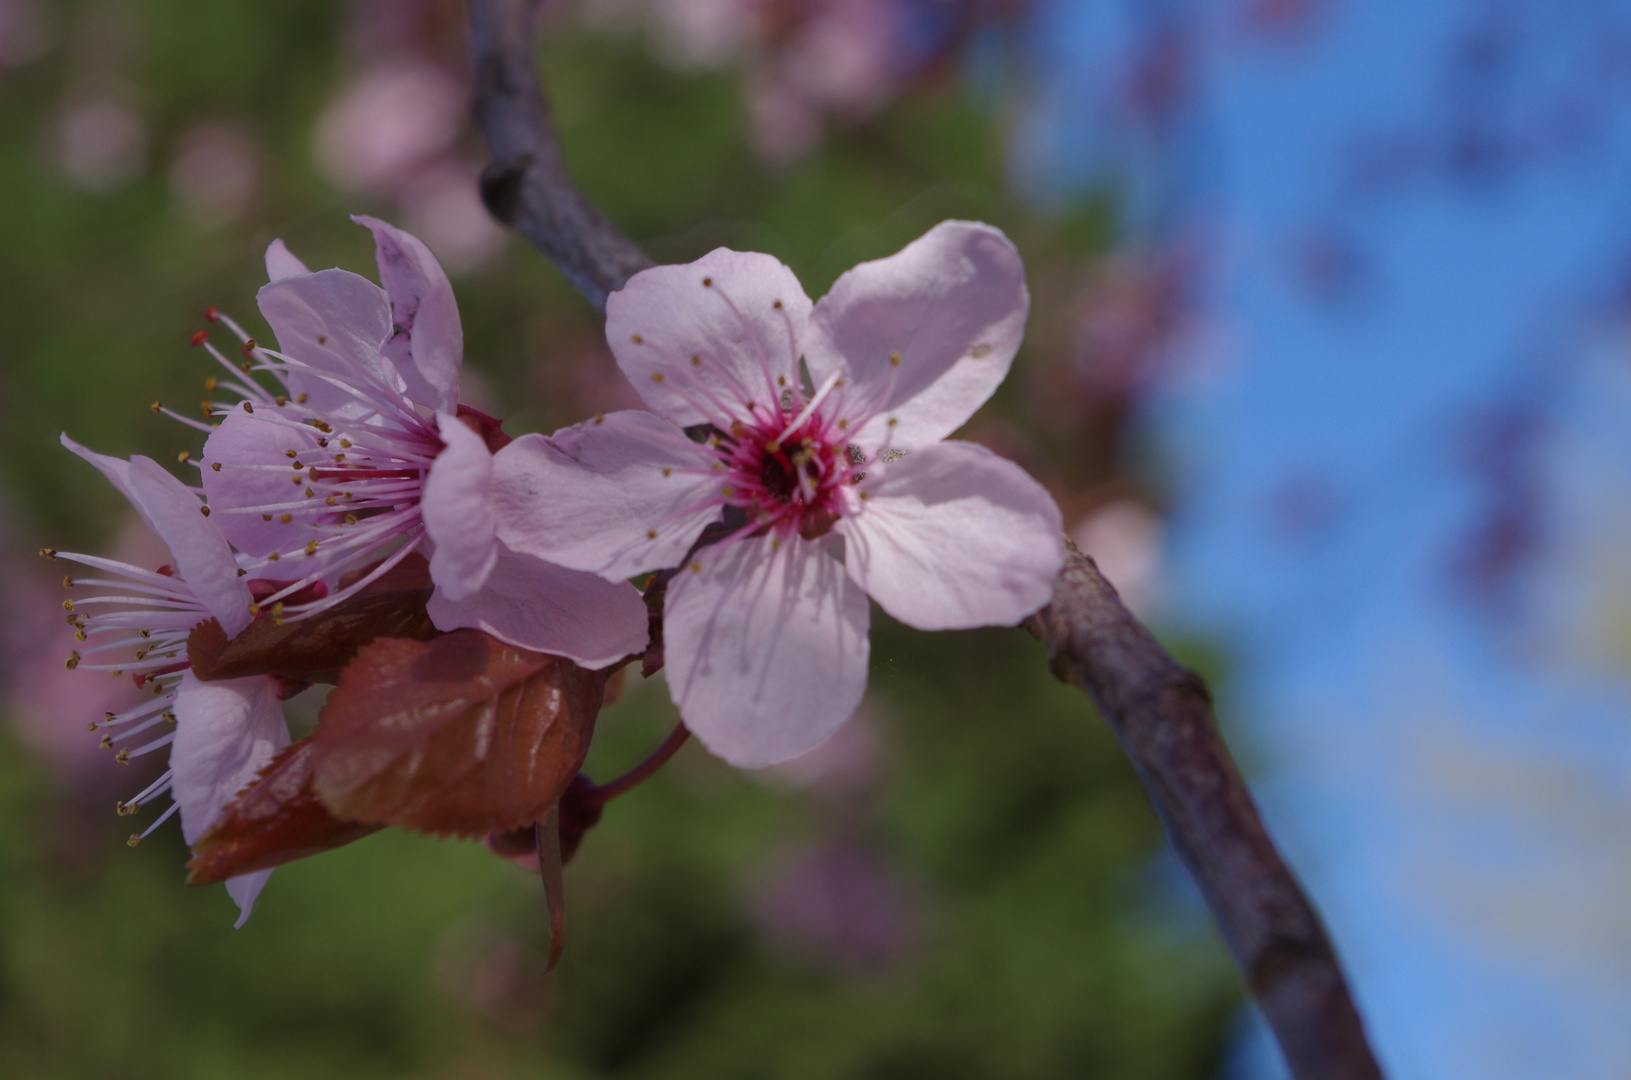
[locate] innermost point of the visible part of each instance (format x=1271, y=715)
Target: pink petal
x=255, y=471
x=617, y=496
x=953, y=536
x=703, y=352
x=547, y=608
x=226, y=732
x=765, y=647
x=427, y=342
x=281, y=262
x=203, y=559
x=458, y=511
x=116, y=470
x=243, y=889
x=334, y=321
x=950, y=304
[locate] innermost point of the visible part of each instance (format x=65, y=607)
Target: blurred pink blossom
x=215, y=173
x=101, y=143
x=388, y=123
x=836, y=905
x=806, y=62
x=1124, y=538
x=23, y=33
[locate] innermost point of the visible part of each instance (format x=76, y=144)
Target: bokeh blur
x=1327, y=365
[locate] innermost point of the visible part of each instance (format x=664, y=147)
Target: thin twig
x=601, y=794
x=1162, y=713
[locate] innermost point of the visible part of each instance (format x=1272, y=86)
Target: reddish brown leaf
x=276, y=819
x=315, y=649
x=462, y=735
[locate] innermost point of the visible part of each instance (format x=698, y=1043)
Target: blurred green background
x=967, y=882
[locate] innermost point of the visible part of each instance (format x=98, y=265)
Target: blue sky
x=1448, y=762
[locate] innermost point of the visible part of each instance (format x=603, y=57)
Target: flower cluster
x=469, y=594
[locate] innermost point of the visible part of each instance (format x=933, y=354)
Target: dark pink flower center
x=786, y=480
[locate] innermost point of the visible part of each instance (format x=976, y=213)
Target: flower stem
x=601, y=794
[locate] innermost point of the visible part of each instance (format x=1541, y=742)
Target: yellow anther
x=696, y=361
x=696, y=567
x=300, y=400
x=656, y=376
x=285, y=518
x=894, y=359
x=637, y=339
x=311, y=547
x=211, y=383
x=182, y=457
x=67, y=582
x=123, y=756
x=204, y=510
x=107, y=742
x=215, y=465
x=48, y=553
x=266, y=517
x=667, y=471
x=156, y=406
x=345, y=444
x=274, y=557
x=290, y=454
x=73, y=660
x=135, y=838
x=651, y=534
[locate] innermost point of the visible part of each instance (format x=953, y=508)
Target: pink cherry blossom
x=822, y=492
x=365, y=456
x=220, y=734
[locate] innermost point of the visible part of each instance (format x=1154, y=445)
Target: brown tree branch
x=1162, y=713
x=1163, y=716
x=526, y=185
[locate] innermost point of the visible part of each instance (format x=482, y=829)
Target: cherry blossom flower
x=365, y=456
x=220, y=734
x=821, y=493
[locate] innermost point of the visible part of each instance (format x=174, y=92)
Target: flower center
x=786, y=480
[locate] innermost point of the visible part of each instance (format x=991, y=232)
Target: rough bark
x=1162, y=714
